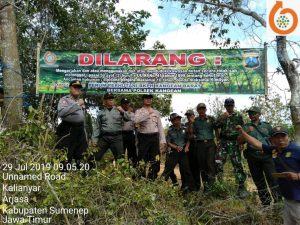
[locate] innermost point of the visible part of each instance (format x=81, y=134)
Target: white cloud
x=175, y=21
x=135, y=5
x=194, y=37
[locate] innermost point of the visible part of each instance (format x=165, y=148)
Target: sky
x=167, y=26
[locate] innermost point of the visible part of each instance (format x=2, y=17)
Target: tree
x=72, y=24
x=78, y=25
x=13, y=85
x=225, y=14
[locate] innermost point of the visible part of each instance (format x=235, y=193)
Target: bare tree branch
x=250, y=13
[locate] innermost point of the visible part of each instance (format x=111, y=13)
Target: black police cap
x=108, y=95
x=125, y=101
x=75, y=83
x=229, y=102
x=147, y=96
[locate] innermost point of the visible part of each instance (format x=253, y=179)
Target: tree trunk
x=12, y=79
x=293, y=79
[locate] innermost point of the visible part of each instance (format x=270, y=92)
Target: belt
x=230, y=138
x=127, y=131
x=74, y=124
x=111, y=133
x=203, y=141
x=148, y=134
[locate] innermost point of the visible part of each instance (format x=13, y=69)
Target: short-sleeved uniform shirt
x=177, y=136
x=286, y=161
x=261, y=132
x=203, y=129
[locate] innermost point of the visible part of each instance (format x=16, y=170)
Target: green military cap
x=279, y=130
x=174, y=116
x=254, y=109
x=201, y=105
x=189, y=112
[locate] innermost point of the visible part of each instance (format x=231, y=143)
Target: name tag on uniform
x=288, y=154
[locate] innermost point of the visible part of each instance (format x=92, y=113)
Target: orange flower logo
x=282, y=24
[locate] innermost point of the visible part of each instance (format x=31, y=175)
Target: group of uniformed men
x=200, y=147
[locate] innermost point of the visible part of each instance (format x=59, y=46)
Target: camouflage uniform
x=229, y=146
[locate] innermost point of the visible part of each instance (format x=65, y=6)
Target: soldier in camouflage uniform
x=228, y=145
x=261, y=165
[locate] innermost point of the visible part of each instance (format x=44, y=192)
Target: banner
x=236, y=71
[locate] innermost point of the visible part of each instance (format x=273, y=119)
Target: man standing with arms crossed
x=150, y=136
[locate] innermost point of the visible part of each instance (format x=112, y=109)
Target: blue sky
x=167, y=26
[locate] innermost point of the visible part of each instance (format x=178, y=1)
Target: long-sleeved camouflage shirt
x=228, y=124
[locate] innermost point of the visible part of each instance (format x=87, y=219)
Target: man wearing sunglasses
x=261, y=165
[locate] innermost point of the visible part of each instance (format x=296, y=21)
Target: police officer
x=205, y=149
x=177, y=140
x=70, y=132
x=150, y=136
x=129, y=133
x=108, y=128
x=229, y=146
x=261, y=165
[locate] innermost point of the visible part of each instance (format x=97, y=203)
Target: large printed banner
x=236, y=71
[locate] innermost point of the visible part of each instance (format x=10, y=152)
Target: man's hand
x=186, y=149
x=120, y=109
x=179, y=148
x=94, y=144
x=81, y=103
x=130, y=109
x=239, y=128
x=291, y=175
x=162, y=147
x=226, y=114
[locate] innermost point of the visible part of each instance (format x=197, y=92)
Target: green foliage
x=113, y=197
x=273, y=109
x=160, y=102
x=72, y=24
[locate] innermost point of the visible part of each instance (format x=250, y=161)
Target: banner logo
x=283, y=19
x=251, y=59
x=50, y=58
